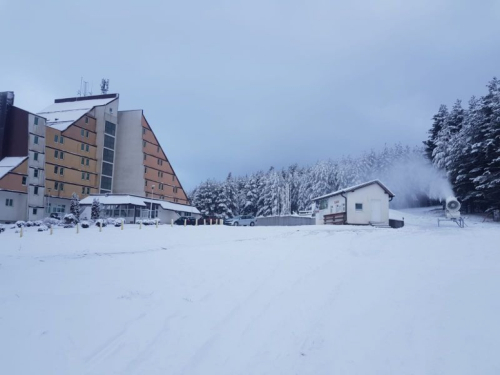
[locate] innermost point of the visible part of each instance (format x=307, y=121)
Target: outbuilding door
x=376, y=208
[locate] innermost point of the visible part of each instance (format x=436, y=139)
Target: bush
x=100, y=223
x=70, y=219
x=85, y=224
x=42, y=228
x=49, y=221
x=29, y=223
x=20, y=223
x=37, y=223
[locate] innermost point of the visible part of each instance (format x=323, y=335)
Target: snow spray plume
x=416, y=182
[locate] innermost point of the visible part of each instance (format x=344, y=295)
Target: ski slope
x=262, y=300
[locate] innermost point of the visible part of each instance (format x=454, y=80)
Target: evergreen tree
x=95, y=211
x=75, y=206
x=438, y=121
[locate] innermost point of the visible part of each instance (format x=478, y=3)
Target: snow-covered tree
x=75, y=206
x=95, y=210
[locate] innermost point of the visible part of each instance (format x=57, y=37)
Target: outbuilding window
x=359, y=206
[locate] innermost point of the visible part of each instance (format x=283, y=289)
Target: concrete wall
x=365, y=196
x=129, y=170
x=285, y=221
x=19, y=209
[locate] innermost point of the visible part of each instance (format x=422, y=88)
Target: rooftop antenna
x=104, y=86
x=83, y=88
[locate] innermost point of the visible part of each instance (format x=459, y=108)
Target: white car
x=241, y=220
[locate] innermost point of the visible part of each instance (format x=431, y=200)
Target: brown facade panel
x=68, y=189
x=16, y=133
x=69, y=144
x=14, y=179
x=80, y=135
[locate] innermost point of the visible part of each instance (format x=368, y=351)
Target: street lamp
x=152, y=197
x=48, y=201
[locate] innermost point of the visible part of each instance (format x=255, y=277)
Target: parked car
x=119, y=221
x=241, y=220
x=189, y=220
x=101, y=223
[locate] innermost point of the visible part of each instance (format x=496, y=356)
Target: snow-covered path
x=263, y=300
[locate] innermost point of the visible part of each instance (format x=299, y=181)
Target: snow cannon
x=452, y=212
x=452, y=208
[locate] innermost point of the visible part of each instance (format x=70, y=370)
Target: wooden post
x=21, y=232
x=205, y=221
x=156, y=223
x=100, y=227
x=122, y=225
x=77, y=230
x=211, y=221
x=171, y=222
x=184, y=222
x=196, y=222
x=140, y=224
x=51, y=230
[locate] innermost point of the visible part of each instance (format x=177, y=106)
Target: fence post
x=77, y=230
x=140, y=224
x=156, y=223
x=122, y=225
x=51, y=229
x=205, y=221
x=21, y=232
x=171, y=222
x=100, y=227
x=184, y=222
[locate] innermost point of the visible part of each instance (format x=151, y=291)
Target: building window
x=88, y=176
x=88, y=190
x=83, y=175
x=173, y=177
x=35, y=156
x=359, y=206
x=36, y=139
x=86, y=120
x=143, y=131
x=82, y=147
x=61, y=186
x=108, y=155
x=143, y=143
x=9, y=202
x=88, y=161
x=176, y=200
x=56, y=186
x=24, y=180
x=61, y=139
x=56, y=154
x=107, y=169
x=83, y=190
x=61, y=155
x=83, y=161
x=36, y=120
x=175, y=189
x=105, y=182
x=56, y=169
x=82, y=132
x=144, y=157
x=158, y=149
x=56, y=138
x=145, y=170
x=110, y=128
x=61, y=171
x=109, y=142
x=35, y=190
x=161, y=186
x=35, y=211
x=87, y=148
x=87, y=134
x=145, y=182
x=35, y=173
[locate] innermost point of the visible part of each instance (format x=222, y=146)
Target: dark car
x=189, y=220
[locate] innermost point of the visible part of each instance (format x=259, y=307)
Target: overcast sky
x=242, y=85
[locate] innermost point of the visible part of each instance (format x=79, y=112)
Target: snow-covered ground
x=262, y=300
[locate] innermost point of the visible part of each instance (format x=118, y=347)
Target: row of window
x=158, y=160
x=160, y=173
x=85, y=176
x=83, y=132
x=85, y=161
x=59, y=154
x=85, y=190
x=36, y=173
x=160, y=186
x=58, y=186
x=58, y=139
x=59, y=170
x=144, y=146
x=85, y=147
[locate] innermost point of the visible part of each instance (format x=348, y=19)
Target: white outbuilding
x=363, y=204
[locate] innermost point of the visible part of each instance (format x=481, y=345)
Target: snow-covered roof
x=61, y=115
x=10, y=163
x=356, y=187
x=138, y=201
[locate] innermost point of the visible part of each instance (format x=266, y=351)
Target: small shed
x=363, y=204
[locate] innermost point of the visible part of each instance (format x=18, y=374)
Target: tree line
x=290, y=190
x=465, y=142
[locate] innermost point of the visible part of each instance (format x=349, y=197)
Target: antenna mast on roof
x=84, y=85
x=104, y=86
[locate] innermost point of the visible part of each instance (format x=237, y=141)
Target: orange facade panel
x=14, y=179
x=68, y=189
x=57, y=140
